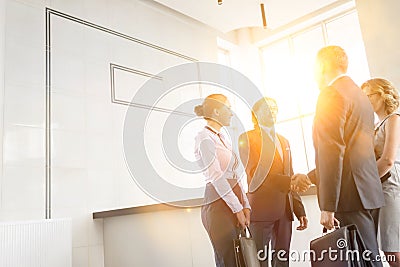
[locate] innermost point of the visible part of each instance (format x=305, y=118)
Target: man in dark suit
x=268, y=163
x=346, y=175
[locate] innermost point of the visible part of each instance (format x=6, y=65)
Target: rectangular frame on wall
x=113, y=67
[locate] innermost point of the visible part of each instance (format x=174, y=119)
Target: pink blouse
x=219, y=163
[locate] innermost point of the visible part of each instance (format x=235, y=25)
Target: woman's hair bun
x=199, y=110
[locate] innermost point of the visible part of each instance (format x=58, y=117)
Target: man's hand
x=303, y=223
x=241, y=219
x=246, y=212
x=328, y=219
x=300, y=183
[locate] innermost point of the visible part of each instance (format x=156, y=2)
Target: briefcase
x=343, y=247
x=245, y=250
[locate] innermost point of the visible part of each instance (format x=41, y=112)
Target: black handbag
x=385, y=177
x=245, y=250
x=343, y=247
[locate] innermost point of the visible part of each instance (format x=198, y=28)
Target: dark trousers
x=366, y=221
x=221, y=226
x=279, y=233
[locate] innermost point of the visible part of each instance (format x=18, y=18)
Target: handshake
x=300, y=182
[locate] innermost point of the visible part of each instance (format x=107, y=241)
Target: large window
x=288, y=77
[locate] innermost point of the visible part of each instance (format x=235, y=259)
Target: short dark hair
x=268, y=100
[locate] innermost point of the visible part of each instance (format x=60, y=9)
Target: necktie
x=278, y=146
x=274, y=138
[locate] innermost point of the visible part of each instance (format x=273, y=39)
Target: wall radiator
x=44, y=243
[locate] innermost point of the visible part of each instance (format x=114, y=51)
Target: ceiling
x=235, y=14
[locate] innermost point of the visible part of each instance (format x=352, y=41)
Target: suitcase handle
x=246, y=232
x=336, y=225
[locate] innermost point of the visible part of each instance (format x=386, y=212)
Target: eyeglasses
x=369, y=95
x=273, y=108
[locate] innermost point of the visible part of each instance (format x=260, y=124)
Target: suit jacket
x=268, y=177
x=346, y=174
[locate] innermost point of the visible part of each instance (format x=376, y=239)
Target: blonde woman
x=384, y=99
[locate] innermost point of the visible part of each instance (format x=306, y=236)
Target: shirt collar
x=337, y=78
x=212, y=129
x=268, y=130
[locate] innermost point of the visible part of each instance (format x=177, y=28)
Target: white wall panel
x=70, y=188
x=2, y=41
x=68, y=149
x=23, y=145
x=88, y=167
x=25, y=65
x=25, y=105
x=19, y=183
x=68, y=112
x=25, y=23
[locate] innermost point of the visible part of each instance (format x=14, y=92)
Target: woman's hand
x=246, y=212
x=241, y=219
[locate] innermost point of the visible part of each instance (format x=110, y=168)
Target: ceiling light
x=219, y=2
x=264, y=20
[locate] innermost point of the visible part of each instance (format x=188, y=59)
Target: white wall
x=23, y=136
x=167, y=238
x=177, y=238
x=380, y=22
x=246, y=57
x=88, y=169
x=2, y=39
